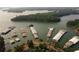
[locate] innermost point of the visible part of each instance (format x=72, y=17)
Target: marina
x=15, y=37
x=39, y=28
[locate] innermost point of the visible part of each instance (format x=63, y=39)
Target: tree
x=2, y=44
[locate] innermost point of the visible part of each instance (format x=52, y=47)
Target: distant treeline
x=2, y=44
x=22, y=9
x=39, y=17
x=46, y=17
x=64, y=12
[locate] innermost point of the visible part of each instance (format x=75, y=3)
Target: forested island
x=39, y=17
x=73, y=23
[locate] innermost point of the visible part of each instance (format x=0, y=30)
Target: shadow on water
x=73, y=48
x=66, y=37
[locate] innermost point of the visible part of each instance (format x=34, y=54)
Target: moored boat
x=50, y=32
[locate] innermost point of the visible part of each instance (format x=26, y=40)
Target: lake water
x=42, y=28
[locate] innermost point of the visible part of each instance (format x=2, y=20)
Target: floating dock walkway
x=7, y=30
x=50, y=32
x=59, y=35
x=34, y=32
x=72, y=41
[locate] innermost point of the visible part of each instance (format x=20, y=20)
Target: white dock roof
x=75, y=39
x=59, y=35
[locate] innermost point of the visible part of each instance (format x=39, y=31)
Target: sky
x=39, y=3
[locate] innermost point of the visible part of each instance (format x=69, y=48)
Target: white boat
x=17, y=39
x=50, y=32
x=23, y=30
x=24, y=34
x=59, y=35
x=72, y=41
x=12, y=41
x=14, y=34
